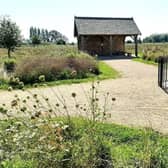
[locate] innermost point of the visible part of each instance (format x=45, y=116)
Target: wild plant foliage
x=36, y=131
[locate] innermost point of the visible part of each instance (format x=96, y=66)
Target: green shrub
x=56, y=68
x=144, y=56
x=36, y=40
x=61, y=42
x=10, y=64
x=18, y=163
x=149, y=58
x=156, y=59
x=3, y=81
x=42, y=78
x=16, y=83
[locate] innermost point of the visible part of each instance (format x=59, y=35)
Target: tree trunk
x=9, y=53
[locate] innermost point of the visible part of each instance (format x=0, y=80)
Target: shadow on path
x=115, y=57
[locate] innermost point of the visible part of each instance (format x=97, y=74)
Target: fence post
x=163, y=73
x=160, y=71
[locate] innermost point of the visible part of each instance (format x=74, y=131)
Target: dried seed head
x=35, y=96
x=77, y=105
x=93, y=100
x=23, y=109
x=37, y=114
x=32, y=117
x=35, y=85
x=57, y=104
x=10, y=88
x=24, y=101
x=16, y=95
x=14, y=103
x=73, y=73
x=113, y=99
x=73, y=95
x=46, y=99
x=50, y=110
x=37, y=101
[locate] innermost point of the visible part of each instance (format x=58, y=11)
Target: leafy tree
x=129, y=41
x=36, y=40
x=31, y=32
x=156, y=38
x=9, y=35
x=34, y=31
x=38, y=32
x=61, y=42
x=139, y=40
x=46, y=35
x=43, y=36
x=54, y=35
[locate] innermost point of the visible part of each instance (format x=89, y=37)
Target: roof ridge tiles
x=104, y=18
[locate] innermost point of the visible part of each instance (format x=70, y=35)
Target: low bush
x=9, y=64
x=144, y=56
x=61, y=42
x=16, y=83
x=56, y=68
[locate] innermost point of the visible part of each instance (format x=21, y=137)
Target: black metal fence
x=163, y=73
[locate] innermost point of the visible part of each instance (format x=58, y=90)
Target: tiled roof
x=105, y=26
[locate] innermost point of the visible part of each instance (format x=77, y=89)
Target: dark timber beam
x=111, y=45
x=136, y=45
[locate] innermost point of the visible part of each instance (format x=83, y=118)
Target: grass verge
x=144, y=61
x=129, y=147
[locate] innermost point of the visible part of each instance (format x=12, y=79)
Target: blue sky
x=151, y=16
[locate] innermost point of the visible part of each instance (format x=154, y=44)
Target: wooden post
x=82, y=43
x=111, y=45
x=136, y=45
x=79, y=42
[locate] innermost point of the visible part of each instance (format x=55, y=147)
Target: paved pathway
x=139, y=100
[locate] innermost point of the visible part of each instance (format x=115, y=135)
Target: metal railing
x=163, y=73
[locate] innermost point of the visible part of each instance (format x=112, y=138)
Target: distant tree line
x=38, y=36
x=132, y=41
x=156, y=38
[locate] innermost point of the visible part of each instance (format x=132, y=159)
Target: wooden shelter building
x=105, y=36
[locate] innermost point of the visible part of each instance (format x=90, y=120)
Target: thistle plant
x=34, y=128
